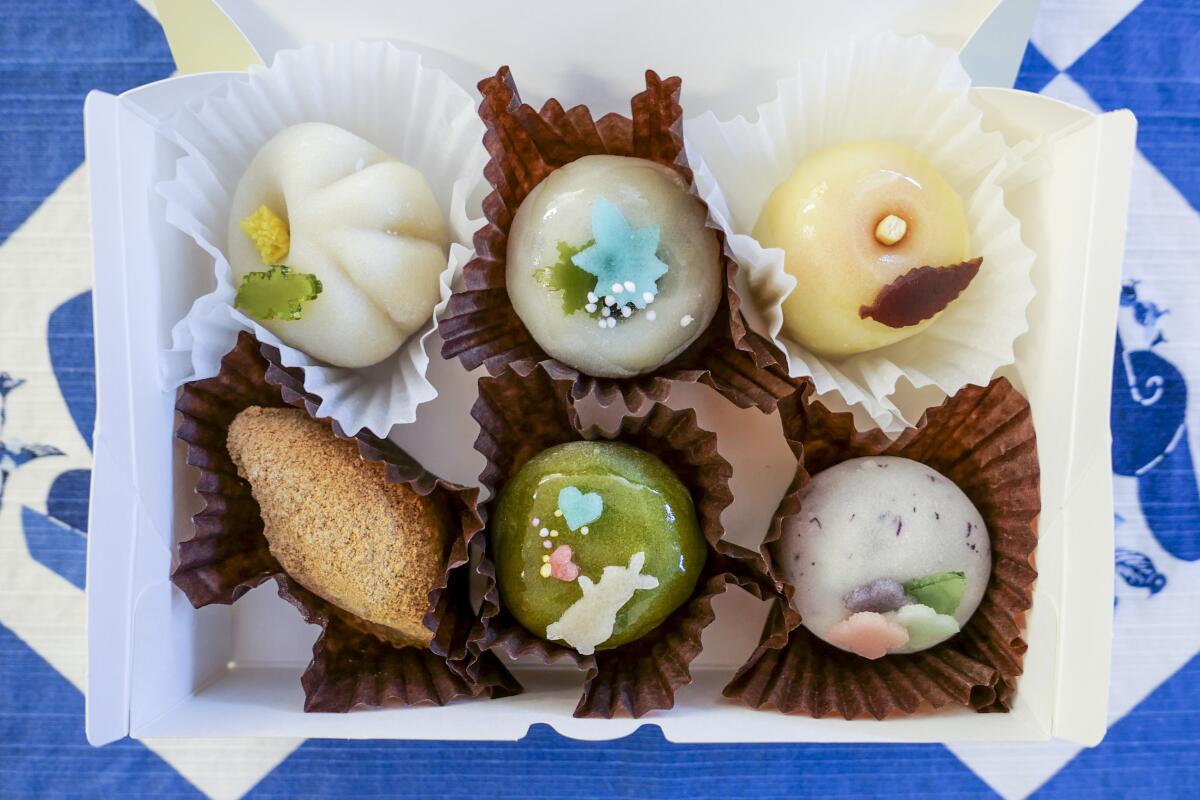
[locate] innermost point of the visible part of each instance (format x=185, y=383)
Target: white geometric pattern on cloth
x=1064, y=30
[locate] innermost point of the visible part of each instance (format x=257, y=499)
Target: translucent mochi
x=367, y=226
x=595, y=543
x=876, y=518
x=560, y=209
x=851, y=219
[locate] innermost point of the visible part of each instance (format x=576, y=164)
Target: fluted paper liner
x=480, y=325
x=983, y=440
x=904, y=90
x=520, y=416
x=387, y=96
x=229, y=555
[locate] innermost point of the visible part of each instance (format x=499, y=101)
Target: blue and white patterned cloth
x=1101, y=54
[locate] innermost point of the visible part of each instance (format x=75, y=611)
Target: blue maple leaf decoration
x=624, y=259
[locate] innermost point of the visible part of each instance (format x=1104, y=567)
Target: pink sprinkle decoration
x=563, y=568
x=868, y=634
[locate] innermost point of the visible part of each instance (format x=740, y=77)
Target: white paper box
x=159, y=668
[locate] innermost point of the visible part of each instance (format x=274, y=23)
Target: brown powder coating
x=370, y=547
x=356, y=663
x=480, y=325
x=982, y=438
x=920, y=293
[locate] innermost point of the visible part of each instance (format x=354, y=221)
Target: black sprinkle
x=883, y=516
x=814, y=563
x=931, y=479
x=936, y=515
x=914, y=509
x=796, y=557
x=814, y=519
x=968, y=529
x=899, y=525
x=852, y=517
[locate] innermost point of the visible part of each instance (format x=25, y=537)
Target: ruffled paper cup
x=904, y=90
x=480, y=325
x=352, y=667
x=643, y=675
x=381, y=93
x=983, y=440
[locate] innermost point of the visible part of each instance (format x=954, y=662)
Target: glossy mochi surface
x=561, y=210
x=366, y=225
x=825, y=217
x=867, y=524
x=595, y=543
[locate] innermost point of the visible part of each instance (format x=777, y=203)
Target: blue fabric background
x=53, y=53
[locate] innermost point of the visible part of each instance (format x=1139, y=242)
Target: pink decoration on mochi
x=561, y=565
x=868, y=634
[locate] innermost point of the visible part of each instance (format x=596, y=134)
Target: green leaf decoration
x=941, y=592
x=277, y=293
x=925, y=626
x=570, y=280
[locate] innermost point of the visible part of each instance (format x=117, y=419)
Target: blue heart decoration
x=579, y=509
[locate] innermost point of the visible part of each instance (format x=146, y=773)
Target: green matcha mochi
x=596, y=543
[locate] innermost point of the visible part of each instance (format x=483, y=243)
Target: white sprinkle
x=630, y=286
x=546, y=544
x=647, y=297
x=687, y=320
x=612, y=322
x=544, y=532
x=604, y=312
x=590, y=308
x=584, y=530
x=652, y=315
x=601, y=322
x=592, y=298
x=617, y=288
x=536, y=522
x=609, y=300
x=626, y=311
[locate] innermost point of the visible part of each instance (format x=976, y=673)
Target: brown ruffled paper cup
x=643, y=675
x=480, y=325
x=352, y=666
x=982, y=438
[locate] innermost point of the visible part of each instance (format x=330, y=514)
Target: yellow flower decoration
x=269, y=234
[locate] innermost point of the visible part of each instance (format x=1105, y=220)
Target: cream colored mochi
x=366, y=225
x=559, y=209
x=825, y=216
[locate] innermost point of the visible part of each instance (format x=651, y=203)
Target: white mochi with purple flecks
x=868, y=524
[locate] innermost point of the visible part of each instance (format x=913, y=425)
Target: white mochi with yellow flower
x=335, y=246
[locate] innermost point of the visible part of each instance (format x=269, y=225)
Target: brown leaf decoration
x=920, y=293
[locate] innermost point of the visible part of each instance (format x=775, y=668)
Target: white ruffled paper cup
x=385, y=95
x=904, y=90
